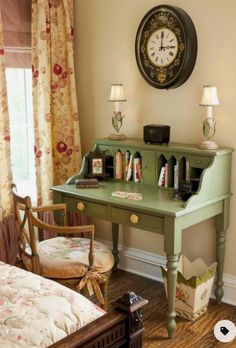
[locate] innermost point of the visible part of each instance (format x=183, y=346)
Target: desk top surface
x=154, y=200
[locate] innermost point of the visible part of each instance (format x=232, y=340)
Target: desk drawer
x=136, y=219
x=200, y=161
x=87, y=208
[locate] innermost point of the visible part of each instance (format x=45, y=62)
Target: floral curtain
x=57, y=139
x=8, y=233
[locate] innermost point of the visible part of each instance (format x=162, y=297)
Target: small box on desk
x=86, y=183
x=156, y=133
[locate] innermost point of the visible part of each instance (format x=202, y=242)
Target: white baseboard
x=145, y=264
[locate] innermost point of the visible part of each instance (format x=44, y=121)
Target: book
x=161, y=179
x=187, y=173
x=176, y=176
x=126, y=163
x=86, y=183
x=166, y=175
x=137, y=164
x=129, y=172
x=119, y=162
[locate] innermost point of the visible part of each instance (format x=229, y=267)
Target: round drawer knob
x=134, y=219
x=81, y=206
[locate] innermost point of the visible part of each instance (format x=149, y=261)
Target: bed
x=38, y=312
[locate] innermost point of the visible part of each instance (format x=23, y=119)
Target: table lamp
x=117, y=96
x=209, y=99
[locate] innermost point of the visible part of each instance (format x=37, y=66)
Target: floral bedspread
x=37, y=312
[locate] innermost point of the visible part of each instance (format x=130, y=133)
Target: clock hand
x=167, y=47
x=162, y=36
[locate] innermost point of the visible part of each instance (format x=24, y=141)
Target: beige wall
x=104, y=53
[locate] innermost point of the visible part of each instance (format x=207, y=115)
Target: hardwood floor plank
x=196, y=334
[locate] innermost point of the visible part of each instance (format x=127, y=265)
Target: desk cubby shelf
x=207, y=170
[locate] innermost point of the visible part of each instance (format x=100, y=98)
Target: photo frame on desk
x=96, y=165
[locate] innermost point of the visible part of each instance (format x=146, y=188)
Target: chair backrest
x=26, y=234
x=29, y=224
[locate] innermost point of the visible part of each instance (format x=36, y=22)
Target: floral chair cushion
x=62, y=257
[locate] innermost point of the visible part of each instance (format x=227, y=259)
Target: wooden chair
x=73, y=261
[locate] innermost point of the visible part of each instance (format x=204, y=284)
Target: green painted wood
x=144, y=221
x=90, y=208
x=221, y=223
x=171, y=147
x=83, y=172
x=214, y=181
x=172, y=265
x=154, y=201
x=205, y=211
x=58, y=198
x=149, y=172
x=115, y=239
x=209, y=171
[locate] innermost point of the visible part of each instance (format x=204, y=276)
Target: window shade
x=16, y=19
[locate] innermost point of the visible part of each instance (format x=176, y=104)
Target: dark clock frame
x=176, y=19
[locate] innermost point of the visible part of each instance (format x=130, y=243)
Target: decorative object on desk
x=117, y=96
x=96, y=165
x=86, y=183
x=156, y=134
x=129, y=195
x=184, y=192
x=209, y=99
x=166, y=46
x=194, y=284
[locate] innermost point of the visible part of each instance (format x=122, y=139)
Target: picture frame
x=96, y=165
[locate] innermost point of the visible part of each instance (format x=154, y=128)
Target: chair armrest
x=52, y=207
x=62, y=229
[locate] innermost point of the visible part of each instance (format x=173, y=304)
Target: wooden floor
x=197, y=334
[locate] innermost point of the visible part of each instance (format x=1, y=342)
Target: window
x=19, y=90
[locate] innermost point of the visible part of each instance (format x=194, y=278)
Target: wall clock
x=166, y=46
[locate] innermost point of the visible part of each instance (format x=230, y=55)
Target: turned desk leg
x=172, y=246
x=115, y=238
x=220, y=255
x=221, y=223
x=172, y=264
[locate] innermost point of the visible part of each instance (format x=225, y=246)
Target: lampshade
x=117, y=93
x=209, y=97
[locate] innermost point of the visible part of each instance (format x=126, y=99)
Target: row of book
x=164, y=175
x=128, y=167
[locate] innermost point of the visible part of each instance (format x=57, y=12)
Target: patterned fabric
x=57, y=139
x=37, y=312
x=8, y=235
x=5, y=172
x=68, y=257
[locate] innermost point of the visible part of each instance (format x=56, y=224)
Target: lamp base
x=117, y=136
x=208, y=145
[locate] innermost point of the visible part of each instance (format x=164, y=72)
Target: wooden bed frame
x=122, y=327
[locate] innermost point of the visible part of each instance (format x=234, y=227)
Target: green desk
x=158, y=211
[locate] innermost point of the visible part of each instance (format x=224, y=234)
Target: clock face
x=166, y=47
x=162, y=47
